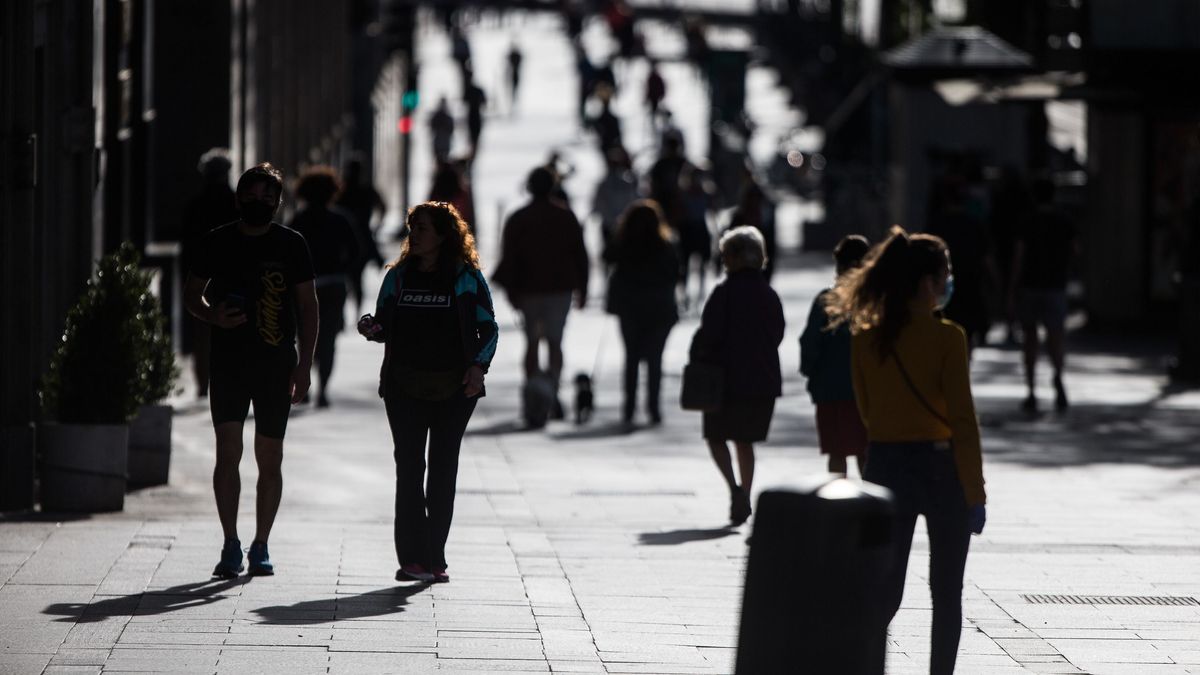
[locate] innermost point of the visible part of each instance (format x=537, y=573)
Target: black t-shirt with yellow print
x=258, y=273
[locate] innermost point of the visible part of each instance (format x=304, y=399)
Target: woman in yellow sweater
x=913, y=391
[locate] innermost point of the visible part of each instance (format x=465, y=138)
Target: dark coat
x=642, y=286
x=825, y=356
x=542, y=251
x=741, y=328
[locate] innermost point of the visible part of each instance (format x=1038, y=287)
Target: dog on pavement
x=585, y=403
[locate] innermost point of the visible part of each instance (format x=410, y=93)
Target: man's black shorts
x=264, y=379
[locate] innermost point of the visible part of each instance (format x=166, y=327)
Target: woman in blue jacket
x=825, y=361
x=434, y=315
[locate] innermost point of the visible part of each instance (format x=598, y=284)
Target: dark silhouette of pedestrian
x=514, y=73
x=253, y=281
x=604, y=81
x=740, y=329
x=561, y=170
x=1041, y=267
x=450, y=185
x=656, y=91
x=212, y=207
x=757, y=210
x=825, y=361
x=607, y=128
x=641, y=293
x=460, y=49
x=1011, y=207
x=663, y=180
x=913, y=388
x=331, y=239
x=441, y=125
x=475, y=99
x=965, y=234
x=585, y=74
x=695, y=239
x=622, y=23
x=614, y=193
x=543, y=263
x=435, y=317
x=360, y=199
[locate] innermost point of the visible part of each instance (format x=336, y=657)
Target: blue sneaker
x=260, y=560
x=231, y=560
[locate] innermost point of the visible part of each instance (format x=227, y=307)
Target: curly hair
x=878, y=293
x=318, y=185
x=458, y=244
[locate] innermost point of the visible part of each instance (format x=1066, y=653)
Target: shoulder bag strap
x=917, y=392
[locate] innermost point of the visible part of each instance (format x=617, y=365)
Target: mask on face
x=947, y=293
x=256, y=213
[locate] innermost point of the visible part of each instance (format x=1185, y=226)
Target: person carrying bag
x=913, y=390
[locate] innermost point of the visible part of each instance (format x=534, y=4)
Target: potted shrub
x=150, y=431
x=92, y=389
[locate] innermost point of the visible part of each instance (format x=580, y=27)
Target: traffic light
x=404, y=124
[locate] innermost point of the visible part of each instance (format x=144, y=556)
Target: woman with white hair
x=740, y=329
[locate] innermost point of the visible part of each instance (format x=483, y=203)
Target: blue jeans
x=924, y=481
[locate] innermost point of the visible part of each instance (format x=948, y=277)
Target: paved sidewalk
x=582, y=549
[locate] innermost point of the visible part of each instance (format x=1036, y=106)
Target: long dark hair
x=458, y=245
x=878, y=294
x=642, y=230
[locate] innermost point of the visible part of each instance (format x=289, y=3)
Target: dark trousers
x=331, y=308
x=644, y=341
x=425, y=506
x=923, y=481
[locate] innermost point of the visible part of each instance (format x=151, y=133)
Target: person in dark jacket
x=543, y=263
x=825, y=361
x=435, y=318
x=213, y=207
x=360, y=198
x=330, y=234
x=741, y=328
x=641, y=292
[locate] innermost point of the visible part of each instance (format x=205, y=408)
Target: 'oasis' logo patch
x=419, y=298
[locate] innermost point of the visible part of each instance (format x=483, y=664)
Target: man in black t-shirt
x=253, y=281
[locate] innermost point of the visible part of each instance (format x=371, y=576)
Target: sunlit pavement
x=584, y=549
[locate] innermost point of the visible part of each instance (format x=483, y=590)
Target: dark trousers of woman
x=331, y=306
x=644, y=341
x=923, y=481
x=425, y=506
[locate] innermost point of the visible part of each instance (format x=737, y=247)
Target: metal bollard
x=818, y=555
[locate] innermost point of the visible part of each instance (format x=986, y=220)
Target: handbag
x=703, y=387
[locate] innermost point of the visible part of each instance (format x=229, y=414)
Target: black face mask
x=256, y=214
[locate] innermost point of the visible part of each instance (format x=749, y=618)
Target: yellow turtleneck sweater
x=934, y=353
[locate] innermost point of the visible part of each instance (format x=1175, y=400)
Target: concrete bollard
x=818, y=555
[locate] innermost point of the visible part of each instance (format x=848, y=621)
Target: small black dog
x=585, y=404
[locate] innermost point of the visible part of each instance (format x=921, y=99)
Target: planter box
x=150, y=446
x=83, y=466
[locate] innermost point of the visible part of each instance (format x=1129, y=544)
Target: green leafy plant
x=114, y=354
x=160, y=372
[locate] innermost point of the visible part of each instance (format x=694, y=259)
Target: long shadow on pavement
x=146, y=603
x=674, y=537
x=363, y=605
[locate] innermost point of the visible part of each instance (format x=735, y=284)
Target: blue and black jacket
x=476, y=317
